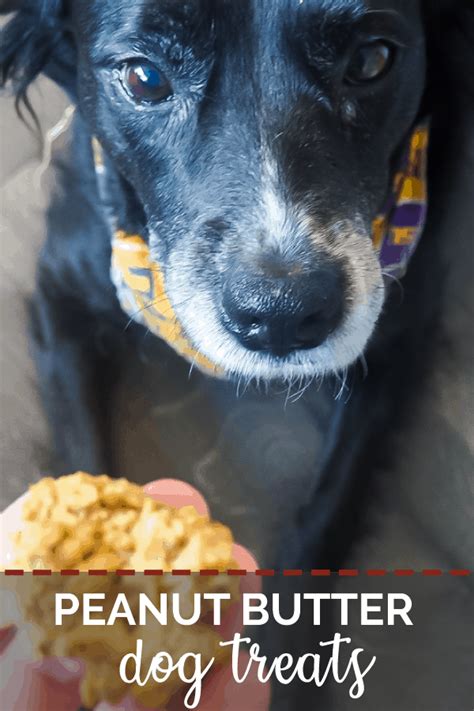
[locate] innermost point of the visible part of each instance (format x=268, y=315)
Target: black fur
x=78, y=332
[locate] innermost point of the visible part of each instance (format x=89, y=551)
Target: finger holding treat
x=82, y=522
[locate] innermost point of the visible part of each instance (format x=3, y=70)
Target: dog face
x=260, y=139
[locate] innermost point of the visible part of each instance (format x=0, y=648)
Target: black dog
x=252, y=142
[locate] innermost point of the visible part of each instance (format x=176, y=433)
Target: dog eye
x=370, y=61
x=144, y=82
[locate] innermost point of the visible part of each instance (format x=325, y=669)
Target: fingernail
x=63, y=669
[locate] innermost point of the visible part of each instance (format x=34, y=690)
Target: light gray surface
x=23, y=199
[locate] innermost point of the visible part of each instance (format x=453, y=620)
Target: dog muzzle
x=140, y=281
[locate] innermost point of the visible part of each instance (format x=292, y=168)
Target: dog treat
x=82, y=521
x=85, y=522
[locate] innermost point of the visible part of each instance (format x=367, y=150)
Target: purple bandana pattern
x=397, y=230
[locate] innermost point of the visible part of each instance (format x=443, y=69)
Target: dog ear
x=35, y=39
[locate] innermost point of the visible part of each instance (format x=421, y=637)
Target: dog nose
x=287, y=313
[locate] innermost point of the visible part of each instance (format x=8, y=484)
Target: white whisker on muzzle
x=197, y=308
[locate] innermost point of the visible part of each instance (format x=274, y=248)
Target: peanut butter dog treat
x=88, y=522
x=83, y=521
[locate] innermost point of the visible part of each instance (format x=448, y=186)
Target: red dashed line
x=261, y=572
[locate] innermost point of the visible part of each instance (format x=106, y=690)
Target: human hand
x=27, y=685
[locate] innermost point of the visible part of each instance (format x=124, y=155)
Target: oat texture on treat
x=86, y=522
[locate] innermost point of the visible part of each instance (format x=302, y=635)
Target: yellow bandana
x=140, y=281
x=141, y=291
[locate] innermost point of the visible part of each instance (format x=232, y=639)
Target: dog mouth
x=338, y=351
x=248, y=338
